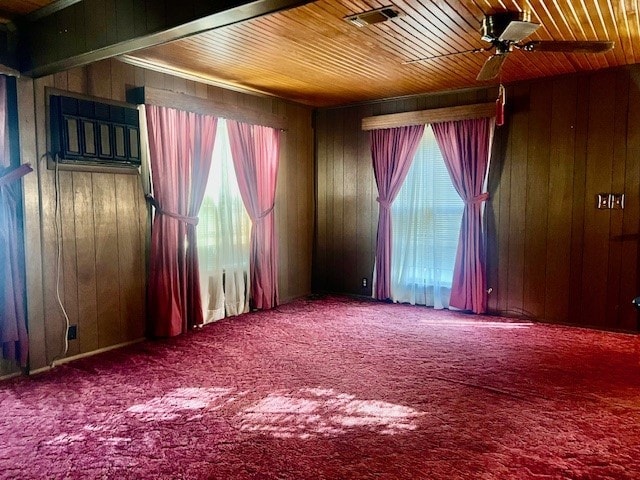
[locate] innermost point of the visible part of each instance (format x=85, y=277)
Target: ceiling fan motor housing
x=493, y=26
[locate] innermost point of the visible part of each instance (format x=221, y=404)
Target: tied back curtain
x=14, y=340
x=466, y=147
x=255, y=151
x=392, y=150
x=13, y=321
x=180, y=149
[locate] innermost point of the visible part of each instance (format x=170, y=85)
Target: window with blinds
x=224, y=237
x=426, y=217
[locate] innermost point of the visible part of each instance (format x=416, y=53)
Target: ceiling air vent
x=373, y=16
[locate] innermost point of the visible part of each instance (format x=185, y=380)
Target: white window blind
x=426, y=217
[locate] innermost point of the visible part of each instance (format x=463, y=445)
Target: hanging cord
x=58, y=225
x=500, y=102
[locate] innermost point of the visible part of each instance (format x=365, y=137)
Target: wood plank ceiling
x=311, y=55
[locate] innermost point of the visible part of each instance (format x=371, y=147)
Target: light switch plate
x=617, y=201
x=603, y=201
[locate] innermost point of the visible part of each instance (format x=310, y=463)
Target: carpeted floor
x=336, y=388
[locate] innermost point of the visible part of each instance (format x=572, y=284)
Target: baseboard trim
x=84, y=355
x=10, y=375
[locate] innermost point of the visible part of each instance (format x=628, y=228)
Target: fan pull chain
x=502, y=99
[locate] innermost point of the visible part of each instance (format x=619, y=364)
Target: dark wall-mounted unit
x=94, y=132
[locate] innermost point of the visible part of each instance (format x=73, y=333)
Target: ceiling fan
x=505, y=30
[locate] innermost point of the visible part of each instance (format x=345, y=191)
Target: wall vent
x=373, y=16
x=93, y=132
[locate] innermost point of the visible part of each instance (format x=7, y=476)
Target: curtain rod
x=205, y=106
x=433, y=115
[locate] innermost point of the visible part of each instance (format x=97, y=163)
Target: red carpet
x=336, y=389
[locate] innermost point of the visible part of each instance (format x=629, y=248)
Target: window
x=426, y=217
x=224, y=234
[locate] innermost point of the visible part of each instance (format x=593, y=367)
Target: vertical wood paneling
x=308, y=163
x=629, y=270
x=77, y=80
x=67, y=228
x=320, y=239
x=125, y=26
x=69, y=265
x=304, y=203
x=119, y=79
x=492, y=218
x=282, y=214
x=330, y=264
x=578, y=207
x=104, y=218
x=561, y=146
x=337, y=220
x=602, y=101
x=86, y=262
x=55, y=324
x=350, y=212
x=617, y=185
x=32, y=218
x=551, y=255
x=500, y=254
x=517, y=154
x=107, y=259
x=537, y=199
x=97, y=34
x=365, y=218
x=130, y=266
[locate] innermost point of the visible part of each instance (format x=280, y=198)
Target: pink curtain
x=14, y=339
x=180, y=148
x=5, y=151
x=466, y=146
x=255, y=150
x=13, y=319
x=392, y=151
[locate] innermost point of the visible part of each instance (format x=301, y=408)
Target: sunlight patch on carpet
x=65, y=439
x=315, y=411
x=171, y=405
x=475, y=324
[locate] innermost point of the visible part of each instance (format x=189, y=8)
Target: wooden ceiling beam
x=90, y=30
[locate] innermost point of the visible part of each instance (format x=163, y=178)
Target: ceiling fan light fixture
x=372, y=17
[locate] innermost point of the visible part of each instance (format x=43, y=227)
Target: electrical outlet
x=364, y=282
x=72, y=333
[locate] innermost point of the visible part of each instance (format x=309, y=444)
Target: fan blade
x=435, y=57
x=596, y=46
x=491, y=67
x=517, y=30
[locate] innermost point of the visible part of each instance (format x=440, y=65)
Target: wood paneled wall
x=551, y=254
x=104, y=217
